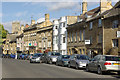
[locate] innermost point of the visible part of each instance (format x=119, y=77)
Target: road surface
x=12, y=68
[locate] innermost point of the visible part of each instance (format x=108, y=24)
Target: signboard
x=87, y=41
x=35, y=44
x=30, y=44
x=118, y=33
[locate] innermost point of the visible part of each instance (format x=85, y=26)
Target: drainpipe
x=103, y=35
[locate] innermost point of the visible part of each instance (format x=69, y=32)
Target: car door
x=96, y=63
x=92, y=63
x=73, y=60
x=58, y=60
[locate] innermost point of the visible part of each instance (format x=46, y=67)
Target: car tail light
x=107, y=63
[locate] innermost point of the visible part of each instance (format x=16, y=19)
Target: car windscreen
x=112, y=58
x=65, y=56
x=82, y=57
x=23, y=54
x=55, y=54
x=37, y=55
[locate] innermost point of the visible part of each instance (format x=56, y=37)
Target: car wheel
x=62, y=64
x=50, y=62
x=87, y=69
x=99, y=71
x=40, y=61
x=76, y=66
x=118, y=72
x=69, y=65
x=31, y=61
x=56, y=63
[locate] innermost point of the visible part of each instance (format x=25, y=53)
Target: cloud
x=43, y=19
x=60, y=5
x=40, y=20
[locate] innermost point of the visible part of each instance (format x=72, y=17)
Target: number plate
x=116, y=63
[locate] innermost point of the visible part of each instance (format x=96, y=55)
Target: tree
x=4, y=32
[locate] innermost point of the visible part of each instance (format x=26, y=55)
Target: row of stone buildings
x=97, y=31
x=93, y=32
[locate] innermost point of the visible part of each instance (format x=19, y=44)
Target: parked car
x=12, y=56
x=44, y=58
x=22, y=56
x=29, y=56
x=3, y=55
x=7, y=56
x=63, y=60
x=36, y=58
x=104, y=63
x=78, y=61
x=50, y=57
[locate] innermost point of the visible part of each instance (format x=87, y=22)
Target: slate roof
x=21, y=35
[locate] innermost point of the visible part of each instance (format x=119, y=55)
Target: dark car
x=22, y=56
x=36, y=58
x=63, y=60
x=12, y=56
x=30, y=56
x=7, y=55
x=3, y=55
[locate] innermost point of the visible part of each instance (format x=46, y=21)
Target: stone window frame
x=80, y=35
x=83, y=35
x=91, y=25
x=100, y=38
x=114, y=44
x=99, y=22
x=115, y=24
x=91, y=39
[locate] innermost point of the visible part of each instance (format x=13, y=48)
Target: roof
x=20, y=36
x=12, y=37
x=108, y=13
x=14, y=40
x=114, y=11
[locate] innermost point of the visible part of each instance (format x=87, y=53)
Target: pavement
x=12, y=68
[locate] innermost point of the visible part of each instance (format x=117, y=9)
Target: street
x=12, y=68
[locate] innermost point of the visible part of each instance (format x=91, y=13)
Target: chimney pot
x=46, y=17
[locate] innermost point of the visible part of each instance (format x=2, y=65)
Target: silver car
x=104, y=63
x=36, y=58
x=51, y=57
x=78, y=61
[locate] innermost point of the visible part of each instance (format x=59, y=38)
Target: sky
x=23, y=11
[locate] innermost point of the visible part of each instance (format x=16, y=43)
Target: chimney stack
x=105, y=5
x=46, y=17
x=84, y=7
x=32, y=22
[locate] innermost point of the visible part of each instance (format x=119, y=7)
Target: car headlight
x=80, y=62
x=37, y=59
